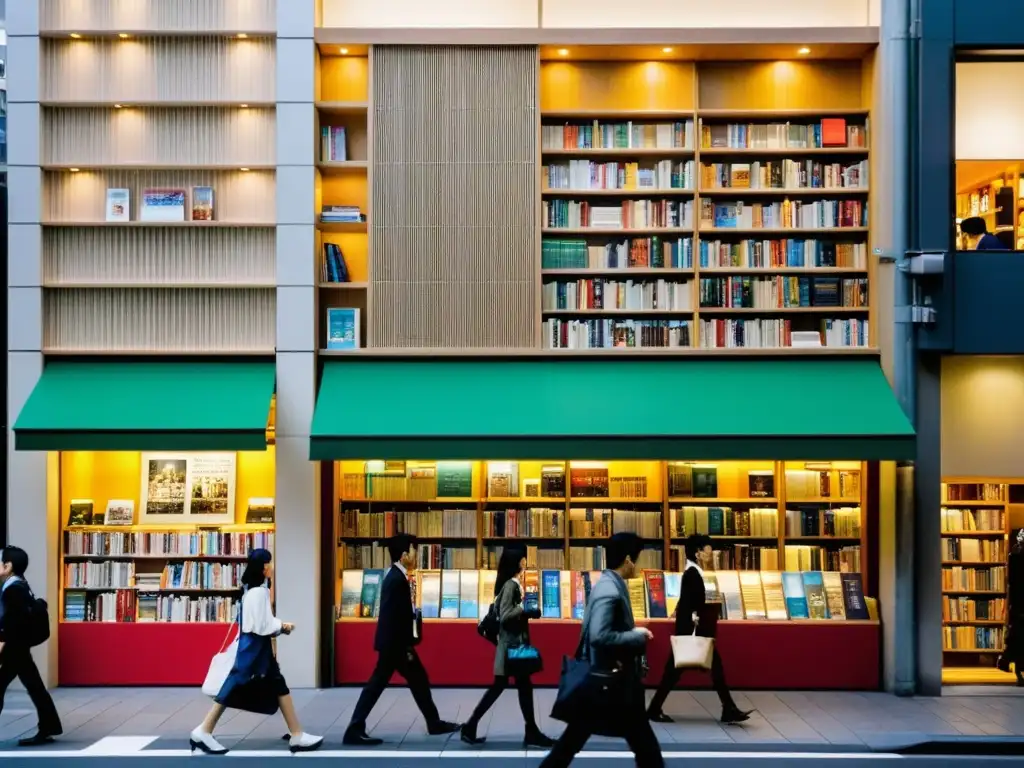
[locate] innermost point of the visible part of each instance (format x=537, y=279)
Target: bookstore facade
x=654, y=307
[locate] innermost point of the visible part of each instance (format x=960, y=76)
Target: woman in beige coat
x=514, y=631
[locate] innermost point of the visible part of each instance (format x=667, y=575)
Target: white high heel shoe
x=204, y=742
x=305, y=742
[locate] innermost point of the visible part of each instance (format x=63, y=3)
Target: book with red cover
x=833, y=132
x=657, y=608
x=580, y=591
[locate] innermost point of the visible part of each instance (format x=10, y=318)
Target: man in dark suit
x=613, y=641
x=15, y=646
x=693, y=611
x=394, y=642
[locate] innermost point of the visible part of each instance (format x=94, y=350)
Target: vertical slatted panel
x=158, y=255
x=177, y=136
x=165, y=320
x=454, y=221
x=146, y=70
x=203, y=16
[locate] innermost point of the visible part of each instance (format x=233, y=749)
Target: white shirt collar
x=11, y=580
x=691, y=564
x=517, y=583
x=398, y=564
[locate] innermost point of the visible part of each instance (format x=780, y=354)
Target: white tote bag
x=692, y=652
x=220, y=666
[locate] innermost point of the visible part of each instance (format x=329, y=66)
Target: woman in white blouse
x=255, y=683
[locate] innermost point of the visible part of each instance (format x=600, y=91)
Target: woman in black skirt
x=255, y=683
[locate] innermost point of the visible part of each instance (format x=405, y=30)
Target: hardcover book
x=796, y=599
x=711, y=591
x=705, y=482
x=260, y=511
x=551, y=597
x=119, y=206
x=552, y=481
x=673, y=585
x=351, y=590
x=657, y=603
x=637, y=598
x=834, y=594
x=814, y=588
x=430, y=594
x=450, y=594
x=485, y=594
x=162, y=205
x=761, y=484
x=680, y=480
x=729, y=586
x=80, y=513
x=580, y=590
x=369, y=593
x=454, y=479
x=120, y=512
x=774, y=598
x=531, y=589
x=202, y=203
x=343, y=328
x=853, y=597
x=753, y=597
x=566, y=591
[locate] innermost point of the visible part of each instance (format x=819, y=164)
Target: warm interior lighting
x=243, y=169
x=118, y=106
x=343, y=51
x=804, y=51
x=73, y=170
x=666, y=50
x=242, y=35
x=563, y=51
x=244, y=106
x=124, y=35
x=75, y=35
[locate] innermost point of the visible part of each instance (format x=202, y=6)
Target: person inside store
x=513, y=632
x=255, y=683
x=1013, y=649
x=17, y=604
x=978, y=237
x=394, y=643
x=695, y=615
x=616, y=646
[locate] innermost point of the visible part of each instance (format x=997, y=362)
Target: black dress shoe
x=733, y=716
x=659, y=717
x=36, y=741
x=468, y=735
x=354, y=738
x=534, y=738
x=442, y=727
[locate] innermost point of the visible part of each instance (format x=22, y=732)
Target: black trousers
x=408, y=665
x=525, y=688
x=19, y=664
x=639, y=736
x=670, y=677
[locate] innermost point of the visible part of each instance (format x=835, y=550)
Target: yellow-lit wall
x=105, y=475
x=988, y=113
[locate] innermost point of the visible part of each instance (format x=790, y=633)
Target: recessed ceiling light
x=75, y=35
x=118, y=106
x=124, y=35
x=563, y=51
x=244, y=106
x=242, y=35
x=243, y=169
x=343, y=51
x=804, y=51
x=666, y=50
x=73, y=170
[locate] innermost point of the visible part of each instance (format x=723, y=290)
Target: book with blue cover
x=469, y=589
x=370, y=592
x=796, y=600
x=450, y=594
x=551, y=597
x=343, y=328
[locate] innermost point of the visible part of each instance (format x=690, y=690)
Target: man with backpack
x=24, y=623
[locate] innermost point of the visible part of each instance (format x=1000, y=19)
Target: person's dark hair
x=973, y=226
x=694, y=543
x=620, y=546
x=252, y=576
x=508, y=566
x=17, y=557
x=399, y=545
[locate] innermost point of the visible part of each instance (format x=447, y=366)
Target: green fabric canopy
x=147, y=406
x=770, y=408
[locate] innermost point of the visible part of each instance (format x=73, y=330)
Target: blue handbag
x=523, y=660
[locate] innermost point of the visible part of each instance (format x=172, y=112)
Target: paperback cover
x=753, y=597
x=705, y=482
x=673, y=585
x=119, y=204
x=430, y=590
x=80, y=513
x=551, y=603
x=450, y=594
x=260, y=510
x=351, y=589
x=486, y=594
x=796, y=599
x=565, y=589
x=814, y=587
x=120, y=512
x=761, y=484
x=834, y=595
x=729, y=586
x=162, y=205
x=531, y=589
x=711, y=592
x=637, y=598
x=202, y=203
x=343, y=328
x=657, y=603
x=853, y=597
x=370, y=590
x=579, y=594
x=469, y=588
x=774, y=599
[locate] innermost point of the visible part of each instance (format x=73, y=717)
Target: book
x=503, y=479
x=657, y=603
x=370, y=592
x=761, y=484
x=673, y=586
x=853, y=597
x=351, y=591
x=343, y=328
x=774, y=598
x=119, y=204
x=162, y=205
x=711, y=591
x=202, y=203
x=552, y=481
x=566, y=591
x=531, y=589
x=450, y=594
x=796, y=599
x=80, y=513
x=833, y=584
x=705, y=482
x=469, y=589
x=486, y=593
x=814, y=588
x=753, y=597
x=430, y=593
x=260, y=510
x=637, y=597
x=680, y=480
x=551, y=595
x=120, y=512
x=729, y=587
x=455, y=479
x=332, y=143
x=334, y=268
x=579, y=594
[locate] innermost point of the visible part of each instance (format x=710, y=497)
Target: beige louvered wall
x=453, y=258
x=157, y=69
x=164, y=16
x=151, y=136
x=98, y=320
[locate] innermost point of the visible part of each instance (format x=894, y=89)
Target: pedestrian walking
x=24, y=623
x=513, y=635
x=255, y=682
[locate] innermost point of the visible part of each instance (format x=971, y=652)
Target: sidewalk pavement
x=785, y=721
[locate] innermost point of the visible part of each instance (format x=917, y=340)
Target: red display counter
x=127, y=653
x=768, y=655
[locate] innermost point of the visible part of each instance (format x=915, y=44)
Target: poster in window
x=188, y=488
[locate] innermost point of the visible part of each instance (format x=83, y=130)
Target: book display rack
x=791, y=543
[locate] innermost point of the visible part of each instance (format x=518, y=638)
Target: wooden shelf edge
x=158, y=286
x=58, y=167
x=350, y=286
x=610, y=352
x=132, y=224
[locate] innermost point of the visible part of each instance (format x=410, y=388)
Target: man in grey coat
x=615, y=642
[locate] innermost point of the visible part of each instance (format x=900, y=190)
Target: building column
x=32, y=505
x=298, y=498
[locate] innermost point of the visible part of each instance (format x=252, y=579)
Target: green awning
x=147, y=406
x=601, y=409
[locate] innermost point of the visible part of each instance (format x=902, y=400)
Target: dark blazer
x=14, y=624
x=693, y=599
x=395, y=619
x=611, y=634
